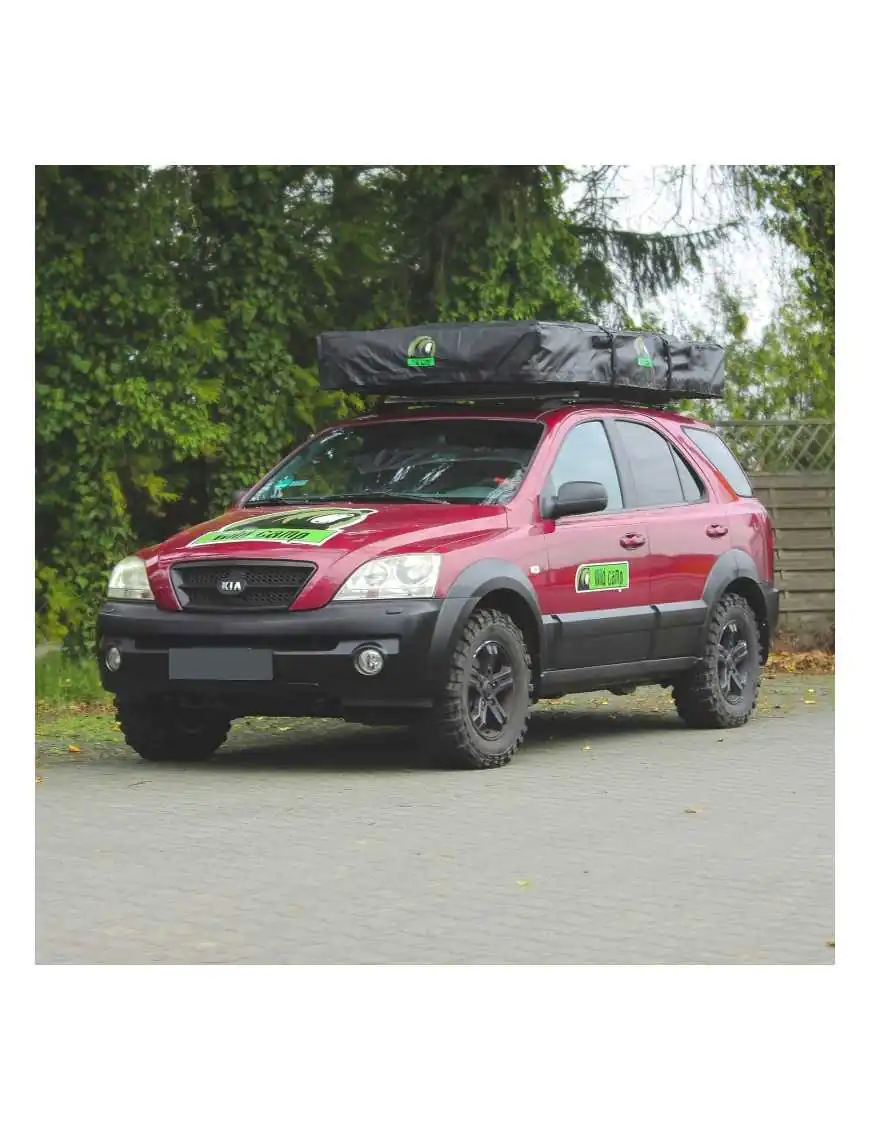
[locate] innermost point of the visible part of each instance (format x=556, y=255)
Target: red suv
x=445, y=567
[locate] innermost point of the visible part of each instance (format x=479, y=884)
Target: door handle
x=632, y=541
x=714, y=530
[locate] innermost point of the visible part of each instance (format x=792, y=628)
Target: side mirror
x=239, y=495
x=575, y=498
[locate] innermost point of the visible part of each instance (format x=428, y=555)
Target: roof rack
x=545, y=399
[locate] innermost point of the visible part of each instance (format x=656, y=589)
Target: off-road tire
x=450, y=733
x=166, y=731
x=698, y=693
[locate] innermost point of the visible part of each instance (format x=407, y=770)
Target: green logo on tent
x=643, y=357
x=421, y=352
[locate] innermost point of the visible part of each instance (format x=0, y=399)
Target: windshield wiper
x=352, y=497
x=371, y=496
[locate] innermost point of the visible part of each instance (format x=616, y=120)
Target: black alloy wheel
x=734, y=661
x=490, y=690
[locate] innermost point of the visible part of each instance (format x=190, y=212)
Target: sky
x=752, y=262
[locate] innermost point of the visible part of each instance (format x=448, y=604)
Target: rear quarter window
x=722, y=458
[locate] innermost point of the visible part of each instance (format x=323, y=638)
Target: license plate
x=220, y=663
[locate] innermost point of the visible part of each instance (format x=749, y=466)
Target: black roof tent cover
x=515, y=358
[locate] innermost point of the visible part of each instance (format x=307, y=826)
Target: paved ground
x=612, y=838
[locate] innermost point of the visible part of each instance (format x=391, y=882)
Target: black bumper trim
x=312, y=651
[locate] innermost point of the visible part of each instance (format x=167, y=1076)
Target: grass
x=63, y=682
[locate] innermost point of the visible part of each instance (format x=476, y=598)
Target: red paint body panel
x=671, y=567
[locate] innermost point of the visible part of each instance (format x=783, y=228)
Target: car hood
x=337, y=538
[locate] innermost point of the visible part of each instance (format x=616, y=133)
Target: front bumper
x=312, y=653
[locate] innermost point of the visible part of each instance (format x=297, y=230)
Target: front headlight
x=129, y=581
x=405, y=575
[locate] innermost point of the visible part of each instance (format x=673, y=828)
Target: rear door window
x=656, y=479
x=722, y=458
x=692, y=490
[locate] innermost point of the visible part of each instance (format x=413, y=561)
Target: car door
x=596, y=594
x=686, y=530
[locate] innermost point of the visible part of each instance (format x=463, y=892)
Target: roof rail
x=546, y=400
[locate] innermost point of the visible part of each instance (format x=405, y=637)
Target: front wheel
x=722, y=690
x=168, y=730
x=481, y=717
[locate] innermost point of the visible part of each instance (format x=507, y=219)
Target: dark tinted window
x=655, y=473
x=458, y=460
x=717, y=452
x=691, y=487
x=585, y=455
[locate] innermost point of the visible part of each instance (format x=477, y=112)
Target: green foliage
x=788, y=374
x=177, y=312
x=61, y=679
x=119, y=363
x=801, y=211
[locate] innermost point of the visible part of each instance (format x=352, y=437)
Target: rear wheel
x=482, y=715
x=168, y=730
x=723, y=689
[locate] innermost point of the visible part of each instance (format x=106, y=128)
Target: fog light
x=369, y=661
x=113, y=658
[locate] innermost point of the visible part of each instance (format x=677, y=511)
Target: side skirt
x=605, y=676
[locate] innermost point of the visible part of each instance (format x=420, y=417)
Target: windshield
x=452, y=461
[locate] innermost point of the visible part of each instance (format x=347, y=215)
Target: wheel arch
x=491, y=584
x=736, y=572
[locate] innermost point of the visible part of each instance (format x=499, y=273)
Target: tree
x=119, y=384
x=800, y=209
x=178, y=308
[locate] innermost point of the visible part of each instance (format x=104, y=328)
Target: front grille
x=264, y=586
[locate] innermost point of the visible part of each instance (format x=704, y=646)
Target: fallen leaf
x=790, y=663
x=691, y=809
x=524, y=883
x=38, y=780
x=830, y=943
x=73, y=750
x=587, y=747
x=810, y=702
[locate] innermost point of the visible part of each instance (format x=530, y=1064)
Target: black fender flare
x=471, y=587
x=737, y=565
x=733, y=564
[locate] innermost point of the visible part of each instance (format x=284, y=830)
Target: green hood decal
x=307, y=525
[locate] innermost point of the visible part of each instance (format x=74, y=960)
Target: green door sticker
x=309, y=525
x=602, y=575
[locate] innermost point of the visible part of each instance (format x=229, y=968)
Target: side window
x=718, y=453
x=656, y=478
x=692, y=490
x=585, y=455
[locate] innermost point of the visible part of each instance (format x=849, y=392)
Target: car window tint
x=585, y=456
x=656, y=479
x=463, y=461
x=692, y=491
x=720, y=455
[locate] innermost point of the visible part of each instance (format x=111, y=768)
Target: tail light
x=771, y=548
